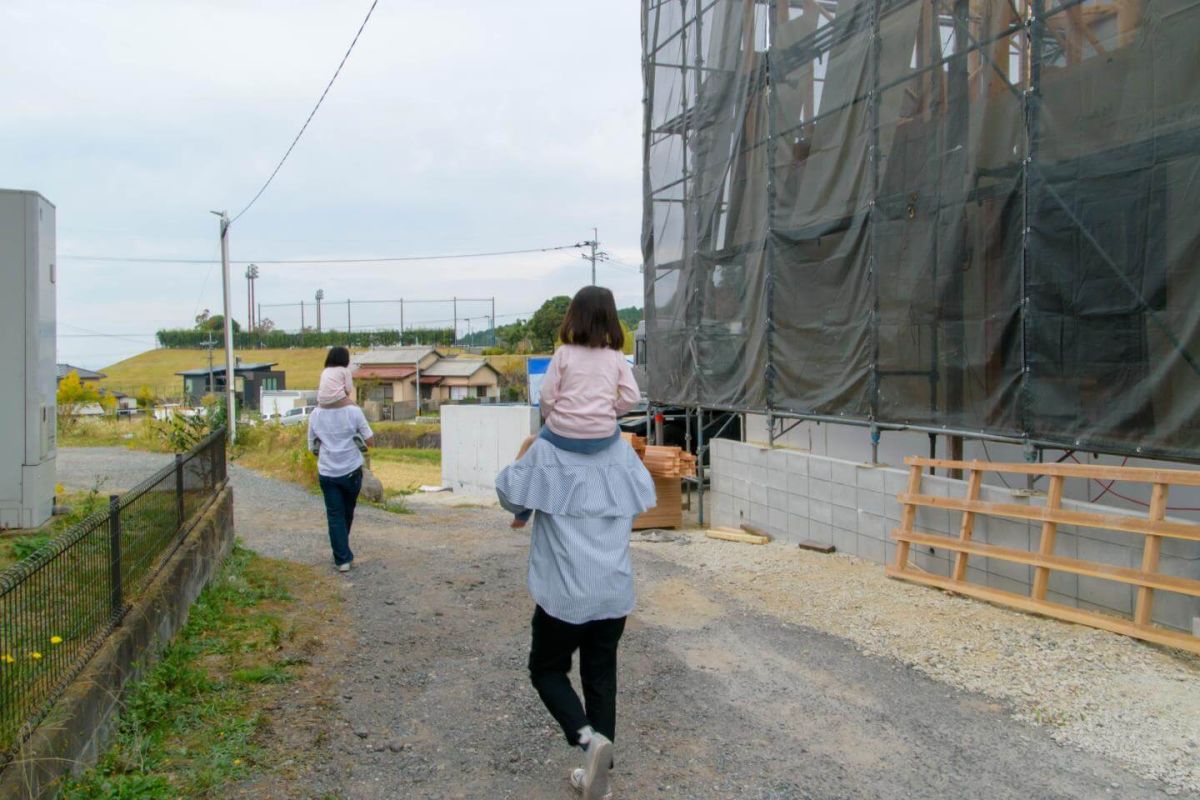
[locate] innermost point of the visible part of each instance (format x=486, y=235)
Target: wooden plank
x=1041, y=575
x=816, y=547
x=1144, y=610
x=1178, y=477
x=1083, y=519
x=968, y=525
x=908, y=515
x=737, y=536
x=1091, y=569
x=753, y=531
x=1147, y=633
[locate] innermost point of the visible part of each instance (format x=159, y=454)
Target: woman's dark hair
x=338, y=357
x=592, y=320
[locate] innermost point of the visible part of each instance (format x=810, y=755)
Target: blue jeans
x=341, y=495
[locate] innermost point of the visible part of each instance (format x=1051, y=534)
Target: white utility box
x=27, y=360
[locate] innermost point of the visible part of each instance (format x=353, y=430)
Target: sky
x=454, y=127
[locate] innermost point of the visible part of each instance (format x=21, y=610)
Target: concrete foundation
x=477, y=441
x=798, y=495
x=80, y=725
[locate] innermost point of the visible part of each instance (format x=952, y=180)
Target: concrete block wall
x=478, y=441
x=797, y=495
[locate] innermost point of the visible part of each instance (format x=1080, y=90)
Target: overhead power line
x=380, y=260
x=311, y=114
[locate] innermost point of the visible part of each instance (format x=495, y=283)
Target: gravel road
x=722, y=696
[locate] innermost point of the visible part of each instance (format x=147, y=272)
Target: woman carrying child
x=586, y=485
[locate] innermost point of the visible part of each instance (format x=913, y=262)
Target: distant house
x=84, y=374
x=249, y=382
x=124, y=403
x=388, y=380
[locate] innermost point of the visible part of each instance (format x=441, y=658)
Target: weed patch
x=199, y=721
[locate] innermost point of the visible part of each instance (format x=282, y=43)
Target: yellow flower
x=55, y=640
x=35, y=655
x=7, y=659
x=58, y=488
x=237, y=762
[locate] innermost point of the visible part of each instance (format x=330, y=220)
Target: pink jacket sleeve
x=348, y=381
x=549, y=395
x=628, y=393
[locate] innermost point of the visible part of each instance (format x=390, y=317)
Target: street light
x=251, y=277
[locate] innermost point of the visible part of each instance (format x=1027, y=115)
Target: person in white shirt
x=340, y=436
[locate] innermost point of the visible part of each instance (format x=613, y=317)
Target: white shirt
x=336, y=427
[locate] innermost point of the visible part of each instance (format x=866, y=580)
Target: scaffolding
x=975, y=217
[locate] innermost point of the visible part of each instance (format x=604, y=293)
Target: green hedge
x=188, y=338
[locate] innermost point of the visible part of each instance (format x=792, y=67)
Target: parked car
x=296, y=416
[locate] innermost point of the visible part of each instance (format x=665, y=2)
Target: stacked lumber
x=669, y=511
x=748, y=536
x=669, y=462
x=638, y=443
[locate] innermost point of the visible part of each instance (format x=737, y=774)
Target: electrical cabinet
x=28, y=433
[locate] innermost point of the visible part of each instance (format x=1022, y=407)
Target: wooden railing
x=1153, y=527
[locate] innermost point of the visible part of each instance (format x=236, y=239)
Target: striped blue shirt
x=579, y=564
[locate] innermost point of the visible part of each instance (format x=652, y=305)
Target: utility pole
x=593, y=243
x=455, y=322
x=230, y=380
x=347, y=319
x=402, y=322
x=301, y=322
x=210, y=343
x=320, y=295
x=493, y=321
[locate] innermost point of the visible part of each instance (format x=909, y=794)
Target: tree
x=544, y=325
x=145, y=398
x=214, y=322
x=73, y=395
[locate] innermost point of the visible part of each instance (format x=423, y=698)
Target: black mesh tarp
x=967, y=215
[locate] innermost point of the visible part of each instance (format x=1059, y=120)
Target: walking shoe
x=344, y=567
x=360, y=443
x=599, y=761
x=577, y=780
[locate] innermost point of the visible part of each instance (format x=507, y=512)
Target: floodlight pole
x=595, y=237
x=230, y=379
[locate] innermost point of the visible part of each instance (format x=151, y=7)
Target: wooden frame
x=1153, y=527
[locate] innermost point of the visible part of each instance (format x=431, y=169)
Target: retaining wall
x=79, y=727
x=477, y=441
x=797, y=495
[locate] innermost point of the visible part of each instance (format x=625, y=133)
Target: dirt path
x=718, y=700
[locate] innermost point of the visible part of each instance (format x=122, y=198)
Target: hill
x=157, y=368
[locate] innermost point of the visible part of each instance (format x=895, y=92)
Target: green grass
x=18, y=545
x=156, y=368
x=193, y=724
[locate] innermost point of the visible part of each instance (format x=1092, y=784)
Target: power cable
x=380, y=260
x=311, y=114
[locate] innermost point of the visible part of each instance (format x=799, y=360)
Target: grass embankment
x=221, y=707
x=143, y=433
x=157, y=368
x=402, y=462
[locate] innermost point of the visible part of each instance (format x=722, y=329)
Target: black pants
x=341, y=495
x=554, y=643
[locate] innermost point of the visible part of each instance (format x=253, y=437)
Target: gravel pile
x=1107, y=694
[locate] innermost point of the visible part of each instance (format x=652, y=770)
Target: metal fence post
x=114, y=547
x=179, y=489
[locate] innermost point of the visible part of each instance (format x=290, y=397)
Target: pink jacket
x=585, y=390
x=336, y=384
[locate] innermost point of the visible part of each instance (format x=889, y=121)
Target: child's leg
x=598, y=671
x=525, y=445
x=554, y=642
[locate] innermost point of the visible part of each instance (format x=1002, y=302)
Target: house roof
x=430, y=380
x=84, y=374
x=383, y=373
x=457, y=368
x=395, y=355
x=220, y=370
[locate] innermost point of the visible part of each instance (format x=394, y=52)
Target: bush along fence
x=246, y=340
x=58, y=605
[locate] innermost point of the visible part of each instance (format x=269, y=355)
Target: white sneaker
x=577, y=781
x=344, y=567
x=599, y=759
